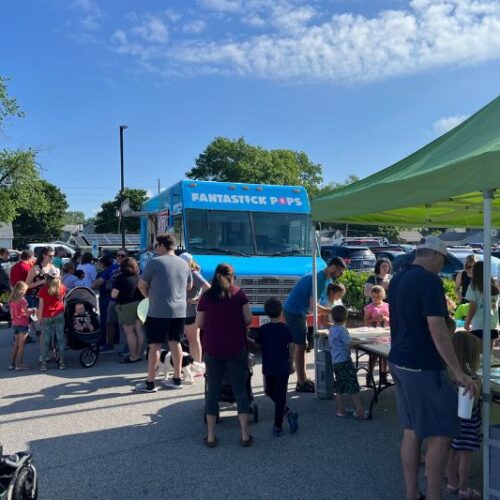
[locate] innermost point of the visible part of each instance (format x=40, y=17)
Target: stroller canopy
x=81, y=294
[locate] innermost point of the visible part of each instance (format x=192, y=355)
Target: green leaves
x=106, y=221
x=227, y=160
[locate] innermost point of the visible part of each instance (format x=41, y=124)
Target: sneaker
x=293, y=421
x=43, y=366
x=146, y=387
x=62, y=366
x=172, y=383
x=278, y=431
x=12, y=366
x=107, y=349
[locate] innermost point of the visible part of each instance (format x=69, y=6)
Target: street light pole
x=122, y=188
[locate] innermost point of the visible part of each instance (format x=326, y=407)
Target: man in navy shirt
x=421, y=349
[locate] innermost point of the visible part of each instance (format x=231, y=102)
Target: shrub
x=449, y=289
x=355, y=285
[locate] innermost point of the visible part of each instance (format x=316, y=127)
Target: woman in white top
x=88, y=267
x=474, y=294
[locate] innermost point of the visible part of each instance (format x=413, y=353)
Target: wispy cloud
x=92, y=14
x=151, y=29
x=446, y=123
x=299, y=42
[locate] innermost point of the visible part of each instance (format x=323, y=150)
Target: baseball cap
x=186, y=256
x=434, y=243
x=52, y=273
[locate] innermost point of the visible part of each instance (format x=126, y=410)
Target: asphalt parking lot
x=92, y=437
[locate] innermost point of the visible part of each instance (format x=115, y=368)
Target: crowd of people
x=426, y=362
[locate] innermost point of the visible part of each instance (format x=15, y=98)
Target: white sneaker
x=172, y=383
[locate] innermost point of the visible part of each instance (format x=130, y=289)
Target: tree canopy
x=227, y=160
x=106, y=220
x=74, y=217
x=41, y=222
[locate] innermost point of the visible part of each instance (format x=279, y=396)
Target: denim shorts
x=427, y=401
x=298, y=326
x=20, y=330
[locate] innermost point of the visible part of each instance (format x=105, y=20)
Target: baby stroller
x=227, y=397
x=81, y=324
x=18, y=480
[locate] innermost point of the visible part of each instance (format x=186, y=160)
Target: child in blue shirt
x=346, y=380
x=275, y=339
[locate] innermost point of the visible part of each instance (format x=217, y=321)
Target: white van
x=37, y=247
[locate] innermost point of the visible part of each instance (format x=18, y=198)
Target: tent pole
x=486, y=396
x=315, y=300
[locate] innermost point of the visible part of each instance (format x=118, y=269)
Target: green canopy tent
x=448, y=183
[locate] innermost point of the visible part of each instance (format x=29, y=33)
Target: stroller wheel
x=254, y=410
x=88, y=357
x=25, y=487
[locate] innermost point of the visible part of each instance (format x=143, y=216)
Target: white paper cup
x=465, y=403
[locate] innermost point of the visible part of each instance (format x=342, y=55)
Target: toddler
x=80, y=278
x=20, y=315
x=69, y=279
x=377, y=311
x=346, y=380
x=333, y=297
x=82, y=321
x=468, y=350
x=275, y=339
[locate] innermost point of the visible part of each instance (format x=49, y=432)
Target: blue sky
x=355, y=84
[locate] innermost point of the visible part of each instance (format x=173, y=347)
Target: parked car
x=357, y=258
x=37, y=247
x=495, y=261
x=388, y=254
x=8, y=264
x=450, y=269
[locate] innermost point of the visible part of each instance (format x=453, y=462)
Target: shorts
x=346, y=379
x=479, y=334
x=190, y=320
x=20, y=329
x=112, y=316
x=427, y=401
x=163, y=330
x=298, y=326
x=127, y=313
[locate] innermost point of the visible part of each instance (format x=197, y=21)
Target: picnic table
x=376, y=342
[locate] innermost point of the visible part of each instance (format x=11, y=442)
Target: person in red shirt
x=19, y=271
x=51, y=314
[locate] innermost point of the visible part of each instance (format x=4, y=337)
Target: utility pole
x=122, y=188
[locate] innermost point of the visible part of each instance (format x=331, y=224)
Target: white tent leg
x=487, y=198
x=315, y=301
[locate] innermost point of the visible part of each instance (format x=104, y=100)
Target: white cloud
x=194, y=27
x=221, y=5
x=446, y=123
x=93, y=14
x=299, y=44
x=152, y=29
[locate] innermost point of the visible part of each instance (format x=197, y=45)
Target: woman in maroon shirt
x=224, y=314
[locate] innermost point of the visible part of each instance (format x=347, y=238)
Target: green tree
x=19, y=173
x=74, y=217
x=106, y=220
x=227, y=160
x=41, y=222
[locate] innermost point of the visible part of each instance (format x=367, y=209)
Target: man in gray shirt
x=165, y=281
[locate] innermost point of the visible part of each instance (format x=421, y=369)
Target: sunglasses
x=51, y=255
x=120, y=255
x=230, y=276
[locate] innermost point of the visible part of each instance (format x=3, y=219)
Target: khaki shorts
x=127, y=313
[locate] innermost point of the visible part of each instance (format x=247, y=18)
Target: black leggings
x=236, y=369
x=276, y=389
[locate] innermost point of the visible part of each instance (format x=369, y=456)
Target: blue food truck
x=263, y=231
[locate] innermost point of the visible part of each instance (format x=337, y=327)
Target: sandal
x=307, y=386
x=452, y=490
x=127, y=360
x=469, y=493
x=363, y=416
x=341, y=414
x=247, y=442
x=22, y=368
x=210, y=444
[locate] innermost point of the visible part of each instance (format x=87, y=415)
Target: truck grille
x=260, y=288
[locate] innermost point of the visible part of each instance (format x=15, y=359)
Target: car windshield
x=247, y=233
x=360, y=254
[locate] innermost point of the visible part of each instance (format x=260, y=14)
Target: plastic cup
x=465, y=403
